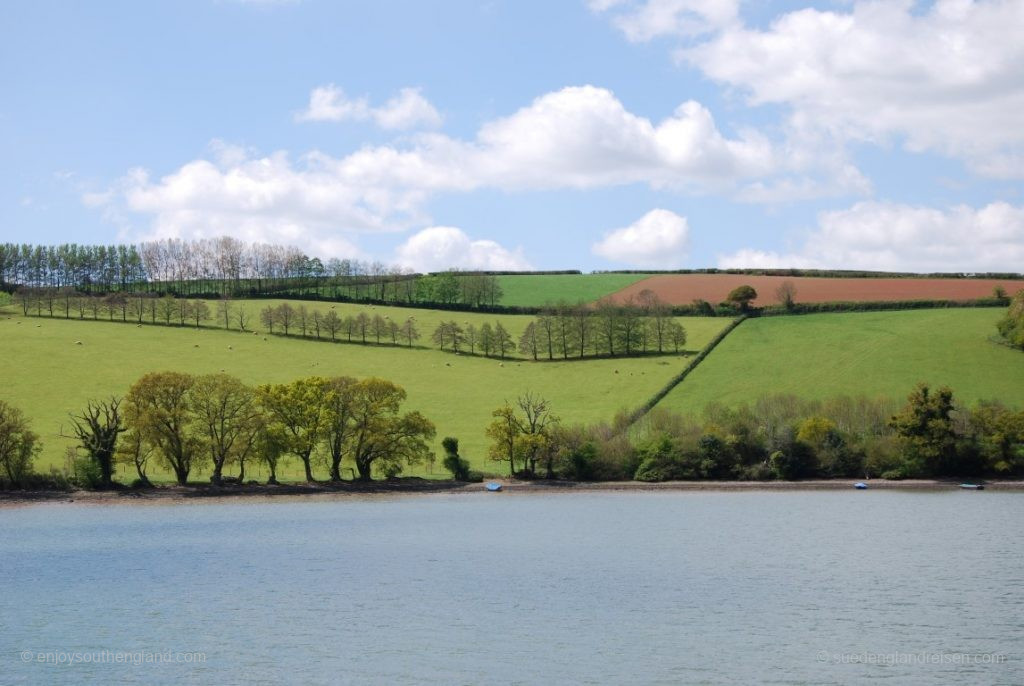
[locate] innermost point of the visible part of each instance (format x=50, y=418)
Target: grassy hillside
x=871, y=353
x=541, y=289
x=46, y=374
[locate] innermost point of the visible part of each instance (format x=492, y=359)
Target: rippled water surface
x=786, y=588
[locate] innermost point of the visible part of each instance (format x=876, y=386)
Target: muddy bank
x=399, y=487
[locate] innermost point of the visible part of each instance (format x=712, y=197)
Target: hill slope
x=47, y=375
x=869, y=353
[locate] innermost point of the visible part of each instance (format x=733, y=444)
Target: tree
x=676, y=335
x=133, y=450
x=535, y=426
x=339, y=424
x=503, y=342
x=458, y=467
x=227, y=417
x=242, y=317
x=224, y=311
x=925, y=431
x=383, y=437
x=299, y=412
x=165, y=309
x=158, y=406
x=409, y=331
x=268, y=317
x=741, y=297
x=332, y=323
x=200, y=312
x=786, y=294
x=1011, y=326
x=528, y=341
x=18, y=444
x=97, y=429
x=504, y=435
x=286, y=316
x=486, y=339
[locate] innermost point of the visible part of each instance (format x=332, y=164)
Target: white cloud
x=659, y=239
x=893, y=237
x=947, y=78
x=643, y=21
x=407, y=110
x=579, y=137
x=443, y=247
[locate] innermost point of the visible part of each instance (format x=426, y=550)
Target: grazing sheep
x=78, y=342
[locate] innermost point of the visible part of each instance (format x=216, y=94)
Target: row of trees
x=779, y=437
x=186, y=420
x=564, y=332
x=227, y=266
x=361, y=327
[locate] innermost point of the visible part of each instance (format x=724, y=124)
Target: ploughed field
x=46, y=374
x=683, y=289
x=875, y=354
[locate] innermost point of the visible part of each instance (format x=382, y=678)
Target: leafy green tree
x=504, y=433
x=409, y=332
x=299, y=411
x=228, y=418
x=340, y=424
x=503, y=342
x=528, y=341
x=926, y=432
x=97, y=429
x=18, y=444
x=159, y=407
x=383, y=437
x=741, y=297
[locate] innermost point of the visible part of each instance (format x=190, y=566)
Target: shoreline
x=419, y=487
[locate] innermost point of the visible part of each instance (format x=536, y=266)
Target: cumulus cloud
x=443, y=247
x=659, y=239
x=643, y=21
x=895, y=237
x=406, y=110
x=948, y=78
x=581, y=137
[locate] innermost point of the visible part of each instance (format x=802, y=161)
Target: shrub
x=86, y=474
x=894, y=474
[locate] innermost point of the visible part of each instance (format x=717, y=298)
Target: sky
x=512, y=134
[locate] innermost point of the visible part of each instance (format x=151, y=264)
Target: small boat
x=860, y=485
x=493, y=486
x=973, y=487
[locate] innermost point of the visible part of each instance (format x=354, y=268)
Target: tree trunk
x=181, y=473
x=335, y=468
x=306, y=465
x=365, y=470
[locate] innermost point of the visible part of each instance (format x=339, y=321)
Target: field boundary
x=638, y=414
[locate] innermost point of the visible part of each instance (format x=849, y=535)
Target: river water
x=601, y=588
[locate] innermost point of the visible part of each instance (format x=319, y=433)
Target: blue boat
x=493, y=486
x=860, y=485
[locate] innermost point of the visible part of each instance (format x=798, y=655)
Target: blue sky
x=600, y=134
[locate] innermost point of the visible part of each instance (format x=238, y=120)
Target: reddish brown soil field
x=683, y=289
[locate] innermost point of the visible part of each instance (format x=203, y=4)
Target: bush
x=86, y=474
x=459, y=467
x=894, y=474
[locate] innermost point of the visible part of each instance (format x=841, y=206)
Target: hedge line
x=678, y=378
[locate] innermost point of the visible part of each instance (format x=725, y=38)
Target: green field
x=539, y=290
x=868, y=353
x=47, y=375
